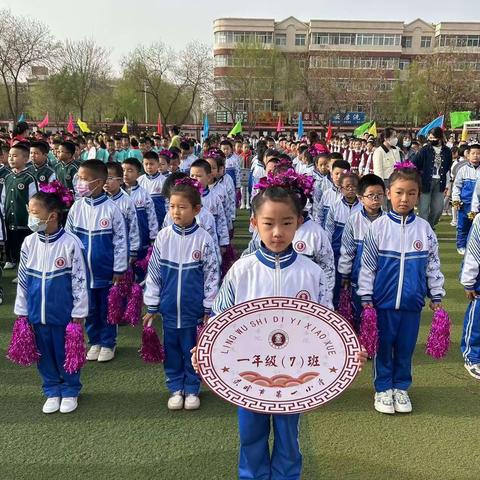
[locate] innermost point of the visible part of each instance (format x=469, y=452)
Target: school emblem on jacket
x=278, y=339
x=60, y=262
x=42, y=178
x=21, y=186
x=417, y=245
x=104, y=222
x=139, y=203
x=197, y=255
x=304, y=295
x=300, y=246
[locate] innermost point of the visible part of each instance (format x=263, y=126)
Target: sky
x=120, y=25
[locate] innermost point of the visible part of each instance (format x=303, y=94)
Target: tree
x=24, y=43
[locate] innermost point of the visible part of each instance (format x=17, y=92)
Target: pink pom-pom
x=75, y=350
x=438, y=341
x=134, y=305
x=152, y=350
x=115, y=305
x=23, y=348
x=369, y=330
x=200, y=329
x=143, y=264
x=345, y=306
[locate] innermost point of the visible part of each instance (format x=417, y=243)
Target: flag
x=83, y=126
x=438, y=122
x=329, y=132
x=236, y=129
x=464, y=133
x=44, y=122
x=206, y=126
x=300, y=125
x=280, y=123
x=21, y=118
x=70, y=127
x=457, y=119
x=125, y=125
x=159, y=125
x=373, y=130
x=359, y=131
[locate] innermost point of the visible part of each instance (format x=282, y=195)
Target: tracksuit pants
x=179, y=372
x=98, y=330
x=397, y=335
x=51, y=345
x=463, y=226
x=255, y=462
x=470, y=344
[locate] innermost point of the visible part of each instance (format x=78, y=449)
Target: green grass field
x=123, y=430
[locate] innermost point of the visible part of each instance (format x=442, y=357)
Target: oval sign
x=278, y=355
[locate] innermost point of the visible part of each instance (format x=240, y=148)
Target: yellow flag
x=464, y=133
x=83, y=126
x=125, y=126
x=373, y=129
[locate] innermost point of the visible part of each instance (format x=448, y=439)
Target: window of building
x=426, y=42
x=300, y=39
x=320, y=38
x=403, y=64
x=280, y=39
x=406, y=42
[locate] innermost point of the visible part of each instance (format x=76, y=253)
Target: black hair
x=351, y=175
x=475, y=146
x=462, y=149
x=184, y=145
x=273, y=160
x=218, y=159
x=323, y=155
x=70, y=146
x=271, y=152
x=51, y=202
x=226, y=142
x=406, y=174
x=151, y=155
x=164, y=156
x=115, y=167
x=336, y=156
x=343, y=164
x=20, y=127
x=23, y=147
x=278, y=194
x=387, y=133
x=134, y=142
x=42, y=146
x=170, y=182
x=176, y=152
x=175, y=129
x=369, y=180
x=202, y=164
x=302, y=148
x=308, y=156
x=437, y=132
x=134, y=162
x=187, y=191
x=97, y=168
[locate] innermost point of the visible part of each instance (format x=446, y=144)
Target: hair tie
x=191, y=183
x=165, y=153
x=214, y=153
x=289, y=180
x=63, y=193
x=403, y=165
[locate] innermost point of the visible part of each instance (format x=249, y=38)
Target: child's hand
x=81, y=321
x=117, y=277
x=206, y=317
x=362, y=357
x=435, y=306
x=148, y=318
x=471, y=295
x=345, y=284
x=365, y=305
x=193, y=351
x=132, y=260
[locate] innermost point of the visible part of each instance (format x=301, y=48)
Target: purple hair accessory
x=165, y=153
x=402, y=165
x=191, y=182
x=57, y=188
x=289, y=180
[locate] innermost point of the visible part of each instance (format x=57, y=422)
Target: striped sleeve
x=471, y=262
x=476, y=197
x=153, y=282
x=368, y=269
x=211, y=274
x=323, y=257
x=21, y=298
x=226, y=295
x=348, y=250
x=330, y=223
x=152, y=217
x=435, y=279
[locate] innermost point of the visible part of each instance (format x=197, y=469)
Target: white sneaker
x=401, y=401
x=453, y=223
x=9, y=266
x=51, y=405
x=15, y=280
x=192, y=402
x=175, y=402
x=93, y=352
x=461, y=251
x=384, y=402
x=69, y=404
x=106, y=354
x=473, y=370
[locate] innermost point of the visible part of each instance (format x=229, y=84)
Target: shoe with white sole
x=106, y=354
x=93, y=353
x=9, y=266
x=192, y=402
x=175, y=402
x=461, y=251
x=453, y=224
x=69, y=404
x=384, y=402
x=15, y=280
x=52, y=405
x=473, y=370
x=401, y=401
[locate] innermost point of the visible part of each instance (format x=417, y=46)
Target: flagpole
x=145, y=100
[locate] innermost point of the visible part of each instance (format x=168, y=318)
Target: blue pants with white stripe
x=179, y=372
x=99, y=331
x=57, y=382
x=397, y=335
x=470, y=345
x=463, y=226
x=255, y=462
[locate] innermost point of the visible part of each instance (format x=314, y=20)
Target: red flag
x=280, y=123
x=70, y=127
x=44, y=122
x=159, y=125
x=329, y=132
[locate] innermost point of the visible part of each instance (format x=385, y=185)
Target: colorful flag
x=159, y=125
x=44, y=122
x=21, y=118
x=300, y=126
x=125, y=125
x=83, y=126
x=359, y=131
x=280, y=123
x=464, y=133
x=206, y=126
x=329, y=132
x=438, y=122
x=70, y=126
x=373, y=130
x=236, y=129
x=457, y=119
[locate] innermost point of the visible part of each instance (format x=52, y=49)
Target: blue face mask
x=36, y=224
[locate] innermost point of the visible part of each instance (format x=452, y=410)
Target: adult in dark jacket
x=433, y=161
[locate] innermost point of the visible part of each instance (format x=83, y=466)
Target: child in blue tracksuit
x=51, y=292
x=470, y=279
x=371, y=191
x=400, y=267
x=182, y=281
x=277, y=213
x=338, y=215
x=100, y=226
x=462, y=193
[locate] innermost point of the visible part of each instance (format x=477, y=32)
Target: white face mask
x=393, y=141
x=36, y=224
x=407, y=143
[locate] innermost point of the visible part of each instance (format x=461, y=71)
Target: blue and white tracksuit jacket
x=213, y=204
x=220, y=190
x=265, y=274
x=227, y=182
x=127, y=207
x=257, y=171
x=232, y=168
x=321, y=208
x=311, y=241
x=147, y=219
x=187, y=163
x=51, y=291
x=470, y=279
x=400, y=267
x=153, y=184
x=100, y=226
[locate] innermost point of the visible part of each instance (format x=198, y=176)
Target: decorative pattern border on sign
x=336, y=321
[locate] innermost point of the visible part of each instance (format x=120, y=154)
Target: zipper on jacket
x=44, y=274
x=402, y=265
x=277, y=275
x=89, y=256
x=179, y=281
